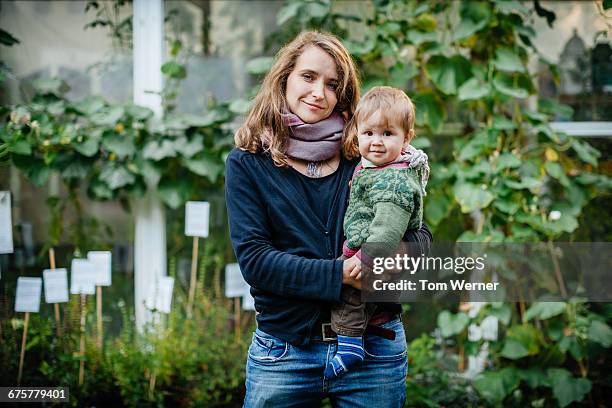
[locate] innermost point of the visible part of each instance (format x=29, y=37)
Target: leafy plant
x=509, y=176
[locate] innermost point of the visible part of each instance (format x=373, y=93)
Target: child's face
x=380, y=140
x=311, y=86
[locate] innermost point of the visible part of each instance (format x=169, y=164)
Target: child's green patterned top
x=384, y=203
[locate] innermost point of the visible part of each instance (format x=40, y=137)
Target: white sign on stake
x=160, y=294
x=6, y=226
x=235, y=285
x=82, y=277
x=28, y=294
x=102, y=263
x=248, y=302
x=56, y=285
x=196, y=218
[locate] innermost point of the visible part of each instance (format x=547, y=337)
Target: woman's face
x=311, y=86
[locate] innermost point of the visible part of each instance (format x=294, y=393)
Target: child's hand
x=351, y=272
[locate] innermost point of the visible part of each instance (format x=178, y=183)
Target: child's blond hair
x=393, y=104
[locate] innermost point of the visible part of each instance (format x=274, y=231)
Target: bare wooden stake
x=237, y=318
x=99, y=315
x=82, y=343
x=192, y=282
x=24, y=339
x=56, y=307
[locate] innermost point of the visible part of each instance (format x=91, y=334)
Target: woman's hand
x=351, y=272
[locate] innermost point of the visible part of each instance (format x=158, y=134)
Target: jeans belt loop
x=324, y=334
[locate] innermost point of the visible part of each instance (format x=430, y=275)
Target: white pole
x=150, y=239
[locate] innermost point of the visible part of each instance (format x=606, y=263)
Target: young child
x=386, y=199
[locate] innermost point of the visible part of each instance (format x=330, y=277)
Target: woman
x=287, y=191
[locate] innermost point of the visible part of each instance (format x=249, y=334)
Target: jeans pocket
x=379, y=348
x=265, y=348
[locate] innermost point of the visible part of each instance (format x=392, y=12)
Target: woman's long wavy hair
x=270, y=102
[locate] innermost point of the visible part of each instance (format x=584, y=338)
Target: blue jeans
x=279, y=374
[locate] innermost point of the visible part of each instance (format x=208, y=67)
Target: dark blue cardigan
x=285, y=252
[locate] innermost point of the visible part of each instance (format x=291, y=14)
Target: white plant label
x=196, y=218
x=6, y=226
x=28, y=294
x=56, y=285
x=82, y=277
x=160, y=294
x=235, y=285
x=102, y=261
x=248, y=302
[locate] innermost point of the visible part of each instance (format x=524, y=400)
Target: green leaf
x=260, y=65
x=471, y=196
x=116, y=176
x=502, y=312
x=100, y=190
x=318, y=10
x=107, y=117
x=571, y=343
x=514, y=350
x=139, y=112
x=20, y=146
x=567, y=389
x=555, y=109
x=507, y=161
x=88, y=148
x=148, y=169
x=451, y=324
x=535, y=377
x=189, y=148
x=529, y=183
x=504, y=83
x=467, y=27
x=601, y=333
x=122, y=145
x=507, y=60
x=529, y=338
x=473, y=89
x=174, y=70
x=555, y=170
x=76, y=169
x=586, y=152
x=429, y=111
x=567, y=223
x=448, y=74
x=510, y=6
x=205, y=166
x=437, y=207
x=544, y=310
x=157, y=151
x=173, y=192
x=287, y=12
x=503, y=123
x=418, y=37
x=54, y=86
x=421, y=143
x=426, y=22
x=607, y=4
x=494, y=386
x=89, y=105
x=39, y=175
x=506, y=206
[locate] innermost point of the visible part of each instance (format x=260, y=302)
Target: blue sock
x=350, y=353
